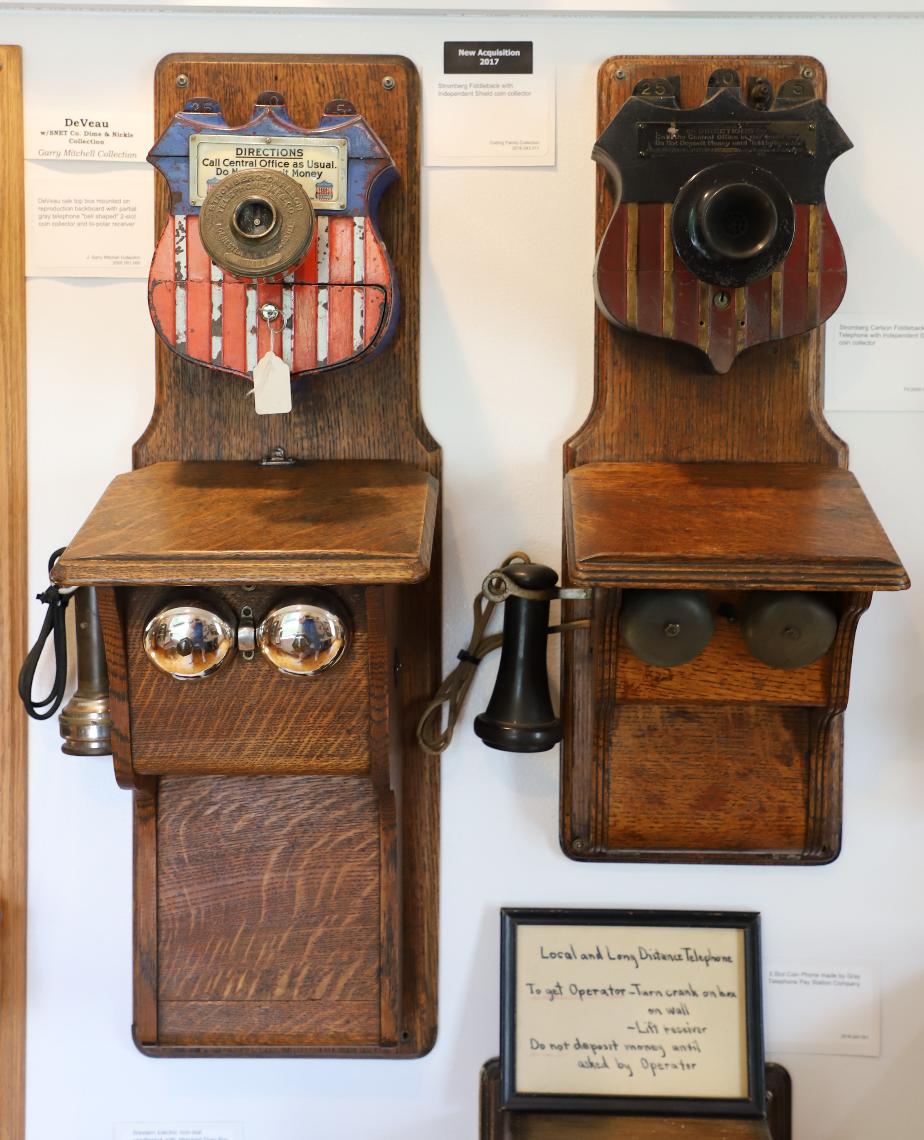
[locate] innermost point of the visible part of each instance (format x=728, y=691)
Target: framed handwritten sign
x=631, y=1011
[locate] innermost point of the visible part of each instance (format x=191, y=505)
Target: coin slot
x=254, y=219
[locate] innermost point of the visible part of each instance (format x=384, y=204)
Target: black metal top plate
x=651, y=149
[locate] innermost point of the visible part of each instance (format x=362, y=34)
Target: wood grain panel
x=268, y=895
x=553, y=1126
x=388, y=780
x=218, y=1024
x=496, y=1124
x=417, y=667
x=258, y=719
x=242, y=522
x=715, y=525
x=144, y=915
x=13, y=538
x=111, y=605
x=743, y=785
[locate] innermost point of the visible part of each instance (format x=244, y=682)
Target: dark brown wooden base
x=496, y=1124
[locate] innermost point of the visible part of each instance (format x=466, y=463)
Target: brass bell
x=790, y=629
x=256, y=223
x=666, y=627
x=304, y=636
x=188, y=640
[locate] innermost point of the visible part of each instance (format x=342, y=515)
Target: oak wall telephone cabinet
x=717, y=553
x=268, y=579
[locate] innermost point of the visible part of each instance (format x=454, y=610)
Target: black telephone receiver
x=519, y=716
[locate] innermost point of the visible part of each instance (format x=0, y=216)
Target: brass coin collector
x=256, y=223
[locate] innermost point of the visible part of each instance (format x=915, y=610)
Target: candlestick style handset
x=520, y=716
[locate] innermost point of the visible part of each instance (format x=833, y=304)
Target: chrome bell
x=304, y=636
x=188, y=640
x=666, y=627
x=788, y=630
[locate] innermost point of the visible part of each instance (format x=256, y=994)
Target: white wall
x=507, y=336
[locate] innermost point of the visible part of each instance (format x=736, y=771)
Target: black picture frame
x=753, y=1105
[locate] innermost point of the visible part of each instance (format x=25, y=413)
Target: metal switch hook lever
x=499, y=585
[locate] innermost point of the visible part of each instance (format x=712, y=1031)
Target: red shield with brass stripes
x=333, y=304
x=643, y=285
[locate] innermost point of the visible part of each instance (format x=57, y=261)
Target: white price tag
x=272, y=387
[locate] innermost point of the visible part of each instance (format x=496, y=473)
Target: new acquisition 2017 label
x=475, y=57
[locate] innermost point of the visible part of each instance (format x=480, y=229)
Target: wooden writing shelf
x=713, y=526
x=320, y=522
x=497, y=1124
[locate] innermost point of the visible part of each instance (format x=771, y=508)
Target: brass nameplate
x=318, y=165
x=784, y=137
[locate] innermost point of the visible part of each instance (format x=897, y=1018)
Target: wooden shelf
x=496, y=1124
x=770, y=526
x=324, y=522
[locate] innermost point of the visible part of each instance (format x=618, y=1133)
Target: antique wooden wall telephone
x=717, y=553
x=268, y=586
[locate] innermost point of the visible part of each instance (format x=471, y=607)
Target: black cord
x=52, y=626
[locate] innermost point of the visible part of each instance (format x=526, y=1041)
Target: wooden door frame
x=13, y=508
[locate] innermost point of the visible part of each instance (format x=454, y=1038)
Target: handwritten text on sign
x=631, y=1011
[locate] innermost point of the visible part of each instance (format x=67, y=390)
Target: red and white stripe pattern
x=333, y=303
x=643, y=285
